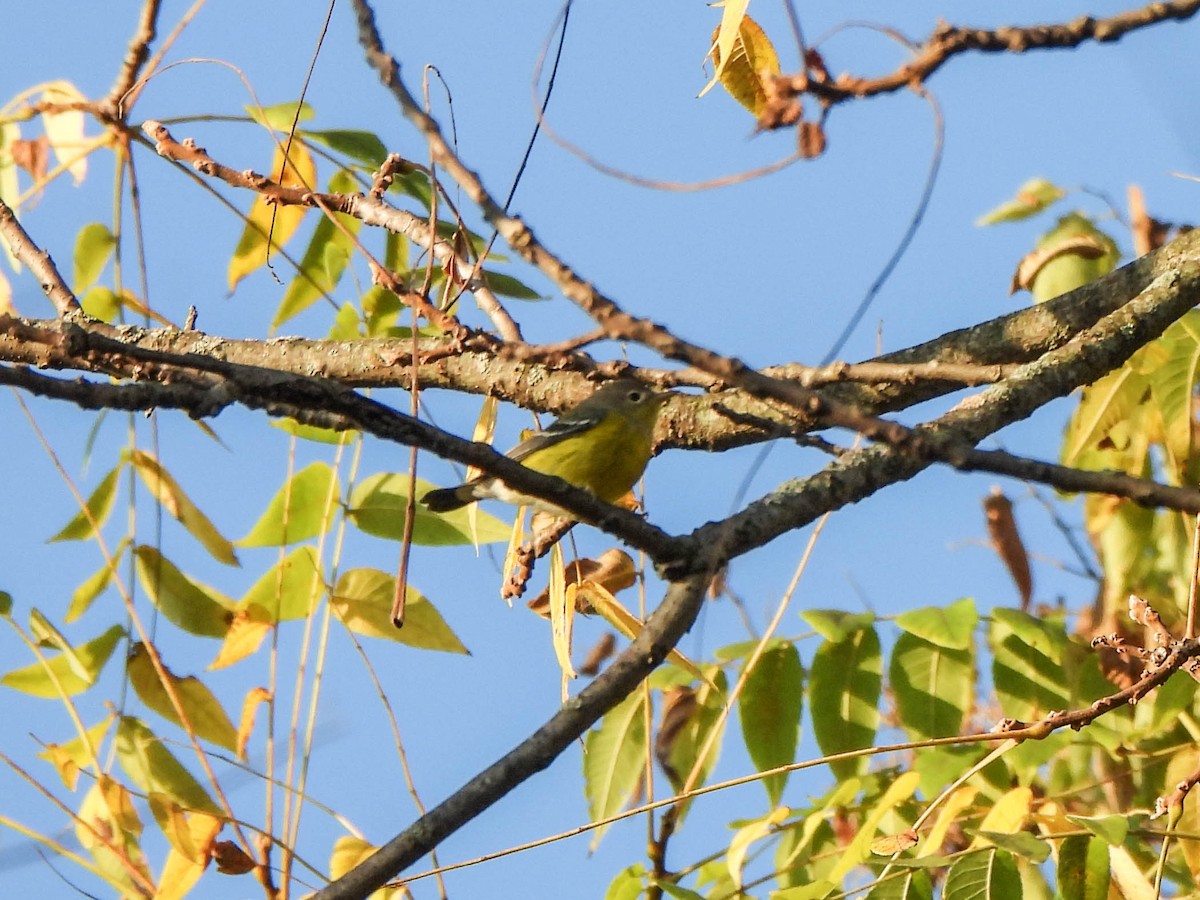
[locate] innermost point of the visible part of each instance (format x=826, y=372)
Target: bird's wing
x=552, y=435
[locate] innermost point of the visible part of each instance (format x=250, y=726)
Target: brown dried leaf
x=230, y=858
x=32, y=156
x=601, y=650
x=614, y=571
x=1082, y=245
x=812, y=139
x=679, y=704
x=1006, y=541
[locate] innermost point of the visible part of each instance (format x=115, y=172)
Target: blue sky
x=768, y=270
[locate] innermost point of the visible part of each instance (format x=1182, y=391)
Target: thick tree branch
x=662, y=631
x=38, y=260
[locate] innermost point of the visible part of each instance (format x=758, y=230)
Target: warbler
x=603, y=445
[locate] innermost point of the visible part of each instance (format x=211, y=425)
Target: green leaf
x=628, y=884
x=835, y=624
x=1075, y=252
x=301, y=509
x=364, y=146
x=1172, y=364
x=101, y=303
x=1032, y=197
x=947, y=626
x=769, y=709
x=176, y=502
x=281, y=116
x=324, y=259
x=153, y=768
x=1020, y=843
x=363, y=601
x=614, y=759
x=910, y=884
x=195, y=608
x=507, y=286
x=288, y=590
x=205, y=715
x=377, y=507
x=844, y=685
x=313, y=433
x=1027, y=666
x=746, y=835
x=934, y=686
x=93, y=586
x=991, y=875
x=93, y=247
x=6, y=603
x=1083, y=868
x=678, y=893
x=98, y=506
x=44, y=680
x=1111, y=829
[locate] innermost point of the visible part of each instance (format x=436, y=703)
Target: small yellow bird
x=602, y=445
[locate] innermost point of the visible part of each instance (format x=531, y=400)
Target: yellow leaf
x=1007, y=815
x=959, y=800
x=254, y=699
x=65, y=129
x=733, y=13
x=181, y=872
x=243, y=637
x=202, y=709
x=744, y=67
x=251, y=251
x=562, y=614
x=610, y=608
x=173, y=498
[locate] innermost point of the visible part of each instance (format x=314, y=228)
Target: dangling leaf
x=176, y=502
x=204, y=712
x=93, y=247
x=251, y=251
x=769, y=709
x=325, y=258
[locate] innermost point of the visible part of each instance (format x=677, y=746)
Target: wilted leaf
x=1006, y=541
x=64, y=128
x=176, y=502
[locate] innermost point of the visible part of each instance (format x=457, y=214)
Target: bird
x=603, y=445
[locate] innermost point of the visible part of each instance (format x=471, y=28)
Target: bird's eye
x=636, y=396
